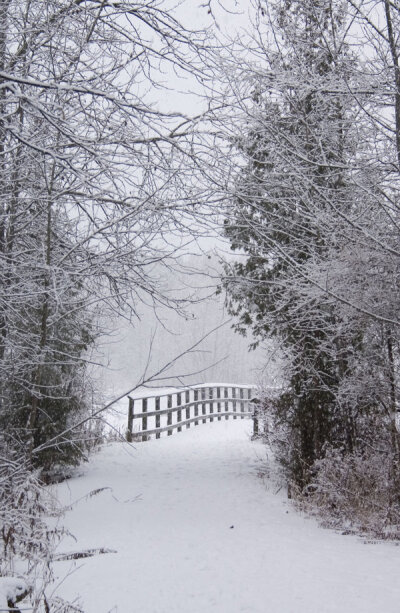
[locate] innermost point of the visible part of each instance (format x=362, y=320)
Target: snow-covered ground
x=196, y=530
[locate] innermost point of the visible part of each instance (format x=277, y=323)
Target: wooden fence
x=180, y=409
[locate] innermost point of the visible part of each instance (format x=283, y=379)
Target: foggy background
x=139, y=349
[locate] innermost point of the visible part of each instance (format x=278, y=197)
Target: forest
x=132, y=143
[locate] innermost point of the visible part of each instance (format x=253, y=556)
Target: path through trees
x=194, y=528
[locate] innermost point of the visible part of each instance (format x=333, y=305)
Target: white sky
x=128, y=351
x=227, y=19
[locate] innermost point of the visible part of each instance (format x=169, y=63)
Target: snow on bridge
x=180, y=408
x=195, y=529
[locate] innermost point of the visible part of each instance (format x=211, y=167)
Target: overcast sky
x=225, y=352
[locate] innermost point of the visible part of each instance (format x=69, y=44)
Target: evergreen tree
x=296, y=151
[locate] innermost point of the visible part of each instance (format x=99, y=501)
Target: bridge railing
x=180, y=409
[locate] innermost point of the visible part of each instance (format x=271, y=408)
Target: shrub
x=356, y=491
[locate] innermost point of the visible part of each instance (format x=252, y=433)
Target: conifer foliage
x=314, y=210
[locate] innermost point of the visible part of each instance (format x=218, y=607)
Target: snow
x=116, y=418
x=197, y=530
x=11, y=588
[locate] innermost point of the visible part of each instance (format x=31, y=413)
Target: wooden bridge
x=177, y=410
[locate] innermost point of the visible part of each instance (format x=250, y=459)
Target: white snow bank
x=11, y=589
x=196, y=530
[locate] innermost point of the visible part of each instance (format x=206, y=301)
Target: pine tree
x=296, y=153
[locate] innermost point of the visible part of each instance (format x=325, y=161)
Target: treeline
x=96, y=182
x=314, y=210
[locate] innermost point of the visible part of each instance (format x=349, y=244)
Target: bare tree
x=97, y=182
x=101, y=185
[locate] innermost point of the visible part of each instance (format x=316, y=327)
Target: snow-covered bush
x=24, y=504
x=12, y=590
x=357, y=492
x=28, y=527
x=354, y=487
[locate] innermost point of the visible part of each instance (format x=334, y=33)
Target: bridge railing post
x=211, y=396
x=255, y=405
x=158, y=421
x=234, y=401
x=203, y=405
x=196, y=406
x=179, y=411
x=169, y=414
x=188, y=406
x=130, y=420
x=219, y=402
x=241, y=393
x=144, y=419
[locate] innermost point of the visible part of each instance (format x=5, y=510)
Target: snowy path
x=169, y=516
